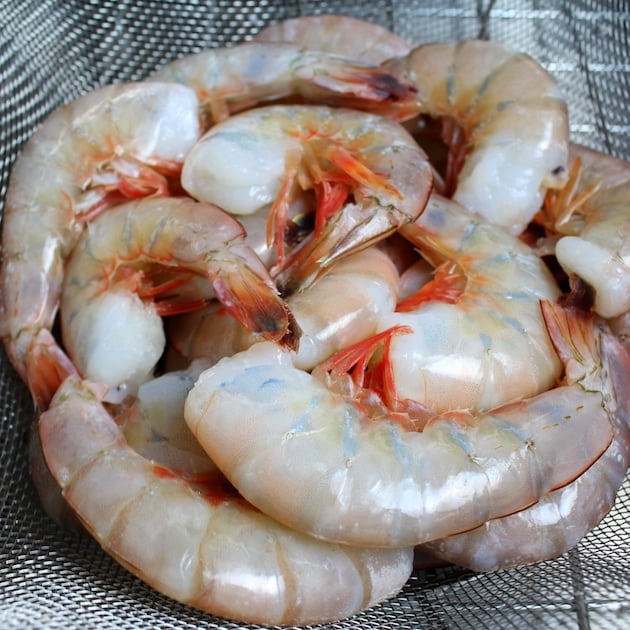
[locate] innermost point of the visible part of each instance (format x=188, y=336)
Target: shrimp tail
x=577, y=342
x=350, y=230
x=366, y=83
x=248, y=298
x=47, y=366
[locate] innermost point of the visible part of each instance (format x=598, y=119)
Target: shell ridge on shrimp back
x=205, y=548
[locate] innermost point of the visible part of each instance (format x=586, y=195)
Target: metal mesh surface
x=50, y=52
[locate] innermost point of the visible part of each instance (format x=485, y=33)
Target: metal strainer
x=52, y=51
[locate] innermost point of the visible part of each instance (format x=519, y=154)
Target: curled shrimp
x=564, y=516
x=112, y=334
x=478, y=338
x=369, y=176
x=591, y=215
x=188, y=534
x=110, y=144
x=228, y=80
x=338, y=34
x=504, y=118
x=312, y=459
x=339, y=309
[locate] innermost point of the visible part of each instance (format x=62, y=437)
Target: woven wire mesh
x=51, y=52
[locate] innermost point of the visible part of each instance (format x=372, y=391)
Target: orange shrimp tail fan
x=256, y=305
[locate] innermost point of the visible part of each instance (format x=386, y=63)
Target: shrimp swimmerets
x=197, y=542
x=311, y=459
x=478, y=336
x=115, y=142
x=338, y=34
x=228, y=80
x=339, y=309
x=368, y=173
x=505, y=119
x=563, y=517
x=113, y=335
x=592, y=217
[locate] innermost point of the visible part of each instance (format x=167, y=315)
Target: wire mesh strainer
x=50, y=52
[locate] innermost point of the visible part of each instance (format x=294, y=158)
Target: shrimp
x=339, y=309
x=338, y=34
x=194, y=539
x=113, y=143
x=504, y=118
x=478, y=337
x=263, y=155
x=228, y=80
x=563, y=517
x=114, y=265
x=312, y=459
x=592, y=217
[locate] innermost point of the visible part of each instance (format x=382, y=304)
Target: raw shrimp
x=112, y=334
x=368, y=173
x=478, y=337
x=199, y=542
x=116, y=142
x=153, y=425
x=561, y=518
x=505, y=120
x=338, y=34
x=592, y=215
x=313, y=460
x=229, y=80
x=340, y=308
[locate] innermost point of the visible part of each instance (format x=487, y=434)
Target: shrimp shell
x=595, y=241
x=206, y=548
x=488, y=344
x=100, y=306
x=340, y=308
x=338, y=34
x=563, y=517
x=313, y=460
x=115, y=142
x=263, y=155
x=514, y=121
x=229, y=80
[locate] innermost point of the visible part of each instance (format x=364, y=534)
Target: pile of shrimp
x=295, y=310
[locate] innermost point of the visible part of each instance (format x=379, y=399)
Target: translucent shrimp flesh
x=338, y=34
x=339, y=309
x=194, y=539
x=312, y=459
x=369, y=176
x=112, y=334
x=477, y=335
x=113, y=143
x=504, y=118
x=563, y=517
x=228, y=80
x=592, y=217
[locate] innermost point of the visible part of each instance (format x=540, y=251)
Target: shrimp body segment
x=564, y=516
x=268, y=155
x=311, y=459
x=512, y=116
x=478, y=336
x=101, y=302
x=203, y=546
x=338, y=34
x=228, y=80
x=341, y=308
x=113, y=143
x=593, y=218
